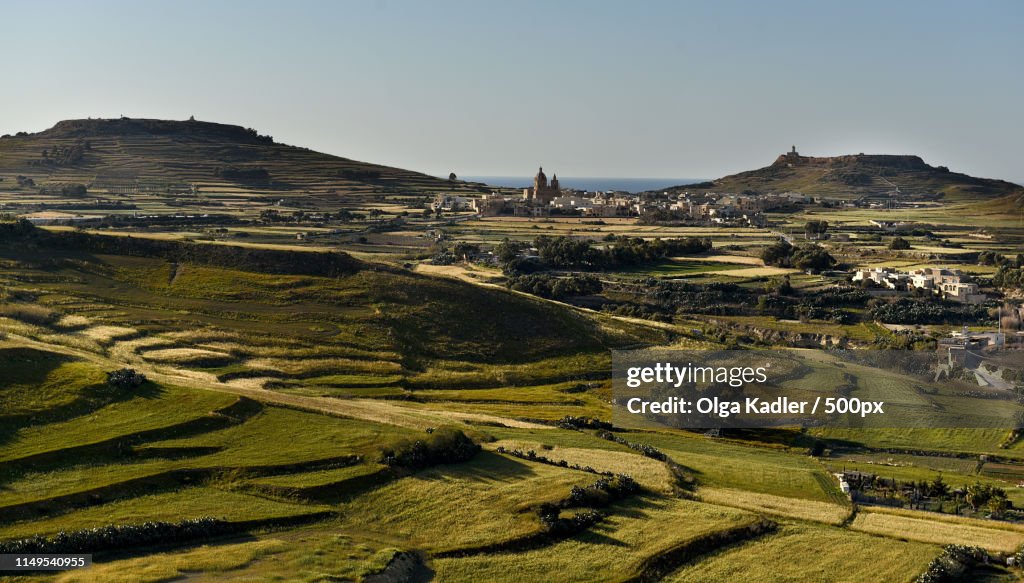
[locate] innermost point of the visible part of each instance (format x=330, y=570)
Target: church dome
x=540, y=180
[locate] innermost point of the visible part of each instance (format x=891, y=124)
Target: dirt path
x=379, y=411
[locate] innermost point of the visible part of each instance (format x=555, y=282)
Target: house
x=892, y=226
x=450, y=203
x=488, y=205
x=947, y=284
x=883, y=277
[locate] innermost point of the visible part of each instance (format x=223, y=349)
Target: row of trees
x=556, y=288
x=569, y=253
x=1009, y=277
x=997, y=259
x=909, y=311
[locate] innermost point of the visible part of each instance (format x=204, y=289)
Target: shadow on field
x=597, y=538
x=640, y=506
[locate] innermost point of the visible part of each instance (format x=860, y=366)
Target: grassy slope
x=169, y=152
x=801, y=552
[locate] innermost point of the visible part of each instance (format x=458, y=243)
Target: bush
x=125, y=378
x=602, y=492
x=899, y=244
x=443, y=446
x=953, y=564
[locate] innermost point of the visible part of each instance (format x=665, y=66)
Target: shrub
x=572, y=422
x=647, y=450
x=899, y=244
x=125, y=378
x=953, y=563
x=602, y=492
x=442, y=446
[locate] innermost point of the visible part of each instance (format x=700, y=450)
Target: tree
x=998, y=505
x=452, y=177
x=815, y=228
x=508, y=250
x=777, y=253
x=899, y=244
x=785, y=287
x=812, y=258
x=464, y=250
x=939, y=488
x=977, y=495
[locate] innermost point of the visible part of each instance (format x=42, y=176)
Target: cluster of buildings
x=546, y=197
x=730, y=208
x=949, y=284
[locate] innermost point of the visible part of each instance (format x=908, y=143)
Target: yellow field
x=930, y=529
x=776, y=505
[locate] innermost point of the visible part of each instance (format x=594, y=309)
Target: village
x=547, y=198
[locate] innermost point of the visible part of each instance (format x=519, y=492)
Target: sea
x=588, y=184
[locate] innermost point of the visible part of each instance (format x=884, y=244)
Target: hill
x=143, y=158
x=859, y=175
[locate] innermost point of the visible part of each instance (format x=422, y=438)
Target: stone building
x=542, y=192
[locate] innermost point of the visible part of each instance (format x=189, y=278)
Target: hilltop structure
x=542, y=193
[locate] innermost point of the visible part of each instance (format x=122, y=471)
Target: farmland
x=350, y=385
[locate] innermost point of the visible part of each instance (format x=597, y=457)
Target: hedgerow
x=647, y=450
x=953, y=563
x=119, y=536
x=533, y=457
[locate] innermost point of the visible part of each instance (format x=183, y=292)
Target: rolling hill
x=860, y=175
x=150, y=157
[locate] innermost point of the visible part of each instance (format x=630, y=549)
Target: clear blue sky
x=588, y=88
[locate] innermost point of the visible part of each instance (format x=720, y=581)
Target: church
x=542, y=193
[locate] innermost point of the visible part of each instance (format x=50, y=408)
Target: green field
x=278, y=395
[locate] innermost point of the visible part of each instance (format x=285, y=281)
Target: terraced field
x=273, y=401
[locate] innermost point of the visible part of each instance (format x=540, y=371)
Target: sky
x=586, y=88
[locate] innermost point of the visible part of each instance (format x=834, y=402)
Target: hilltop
x=859, y=175
x=160, y=157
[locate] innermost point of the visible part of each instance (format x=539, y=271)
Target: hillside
x=146, y=158
x=860, y=175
